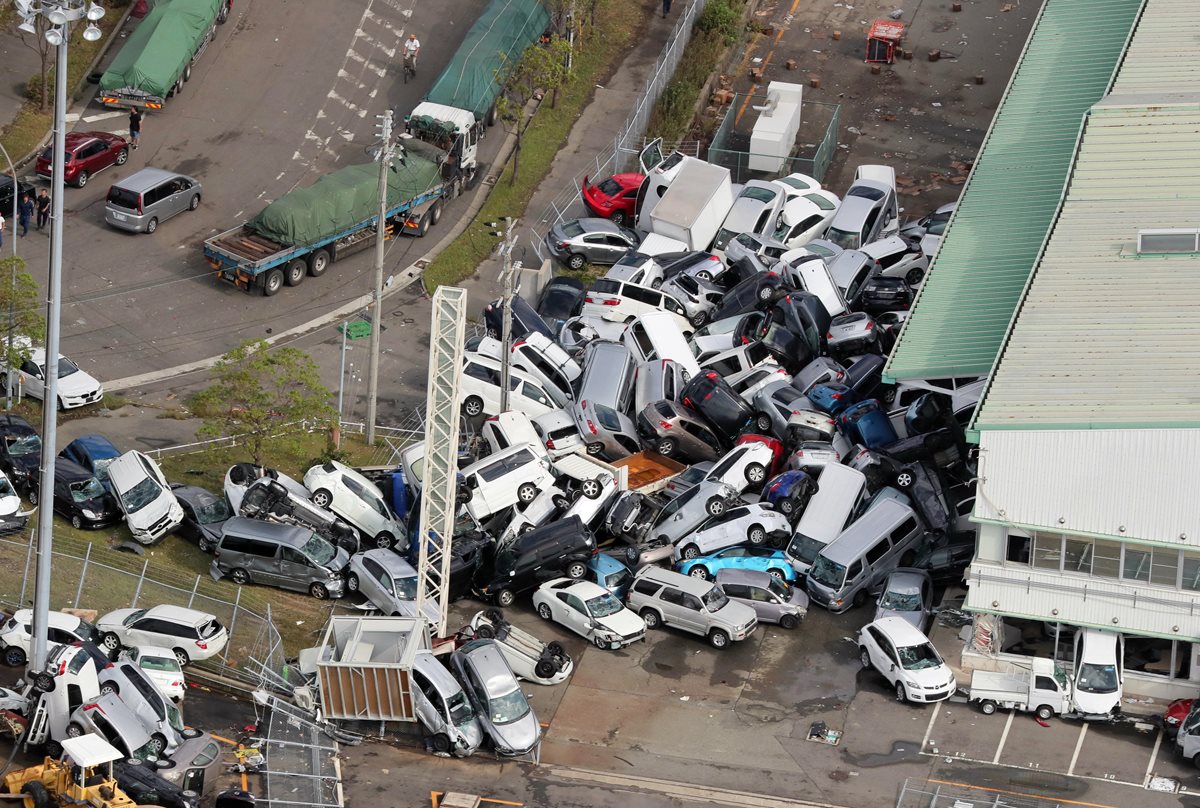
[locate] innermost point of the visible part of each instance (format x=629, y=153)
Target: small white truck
x=1040, y=687
x=694, y=205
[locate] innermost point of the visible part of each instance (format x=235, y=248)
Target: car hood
x=623, y=622
x=931, y=677
x=517, y=737
x=1095, y=703
x=114, y=620
x=77, y=384
x=9, y=506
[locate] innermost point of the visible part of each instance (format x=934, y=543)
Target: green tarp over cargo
x=498, y=38
x=154, y=56
x=338, y=201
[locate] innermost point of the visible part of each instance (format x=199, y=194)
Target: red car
x=1175, y=714
x=87, y=153
x=615, y=198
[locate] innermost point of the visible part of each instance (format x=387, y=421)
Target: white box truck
x=694, y=205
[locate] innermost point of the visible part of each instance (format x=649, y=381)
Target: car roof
x=436, y=672
x=489, y=664
x=387, y=558
x=56, y=619
x=69, y=471
x=293, y=535
x=195, y=494
x=899, y=631
x=685, y=583
x=179, y=614
x=906, y=582
x=582, y=589
x=594, y=225
x=15, y=425
x=604, y=563
x=146, y=178
x=96, y=446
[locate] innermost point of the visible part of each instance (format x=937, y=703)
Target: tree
x=19, y=294
x=45, y=51
x=258, y=391
x=541, y=69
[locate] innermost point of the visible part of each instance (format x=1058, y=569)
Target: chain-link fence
x=944, y=794
x=815, y=144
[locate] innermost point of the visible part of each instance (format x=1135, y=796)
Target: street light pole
x=385, y=163
x=506, y=295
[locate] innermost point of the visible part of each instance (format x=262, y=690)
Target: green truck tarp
x=499, y=37
x=338, y=201
x=154, y=56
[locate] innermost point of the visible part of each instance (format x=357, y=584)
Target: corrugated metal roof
x=1162, y=52
x=1007, y=205
x=1093, y=482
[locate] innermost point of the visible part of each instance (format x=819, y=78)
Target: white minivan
x=620, y=302
x=150, y=507
x=479, y=389
x=840, y=489
x=809, y=272
x=658, y=336
x=505, y=478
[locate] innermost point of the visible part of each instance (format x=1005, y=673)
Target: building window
x=1191, y=572
x=1047, y=551
x=1018, y=549
x=1106, y=561
x=1158, y=657
x=1098, y=558
x=1136, y=566
x=1077, y=555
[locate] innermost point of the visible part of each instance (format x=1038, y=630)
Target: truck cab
x=453, y=130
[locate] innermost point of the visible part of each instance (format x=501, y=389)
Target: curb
x=399, y=282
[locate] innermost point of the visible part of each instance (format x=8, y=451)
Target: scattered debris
x=821, y=733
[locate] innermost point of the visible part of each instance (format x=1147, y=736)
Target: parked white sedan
x=743, y=466
x=589, y=610
x=356, y=499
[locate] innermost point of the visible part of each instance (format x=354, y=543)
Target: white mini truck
x=1041, y=687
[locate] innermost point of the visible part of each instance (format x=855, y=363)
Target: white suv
x=479, y=389
x=356, y=499
x=150, y=507
x=907, y=659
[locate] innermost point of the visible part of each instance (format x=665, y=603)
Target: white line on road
x=1004, y=736
x=937, y=708
x=72, y=117
x=682, y=791
x=238, y=215
x=281, y=173
x=102, y=116
x=1078, y=746
x=1153, y=757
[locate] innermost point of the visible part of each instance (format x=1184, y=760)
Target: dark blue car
x=789, y=492
x=867, y=423
x=94, y=453
x=831, y=398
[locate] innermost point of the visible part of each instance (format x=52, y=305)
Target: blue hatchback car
x=831, y=398
x=610, y=573
x=789, y=492
x=762, y=559
x=867, y=423
x=94, y=453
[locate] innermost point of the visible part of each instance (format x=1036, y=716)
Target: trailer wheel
x=435, y=214
x=492, y=116
x=987, y=707
x=1045, y=712
x=273, y=282
x=223, y=14
x=187, y=71
x=423, y=226
x=295, y=272
x=318, y=262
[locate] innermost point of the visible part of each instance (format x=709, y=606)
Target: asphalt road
x=287, y=91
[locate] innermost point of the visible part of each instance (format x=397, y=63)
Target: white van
x=545, y=360
x=620, y=302
x=505, y=478
x=479, y=389
x=840, y=489
x=150, y=507
x=658, y=336
x=510, y=429
x=810, y=273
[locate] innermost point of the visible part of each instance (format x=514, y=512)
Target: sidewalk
x=18, y=63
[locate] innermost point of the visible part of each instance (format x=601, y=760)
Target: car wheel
x=698, y=572
x=901, y=696
x=650, y=618
x=240, y=576
x=905, y=479
x=576, y=570
x=699, y=319
x=864, y=658
x=33, y=496
x=777, y=574
x=1045, y=712
x=631, y=554
x=110, y=689
x=1196, y=761
x=756, y=535
x=473, y=406
x=756, y=473
x=987, y=706
x=789, y=621
x=111, y=641
x=591, y=488
x=319, y=591
x=44, y=681
x=544, y=669
x=618, y=218
x=14, y=657
x=75, y=731
x=599, y=643
x=656, y=283
x=764, y=294
x=576, y=261
x=715, y=506
x=704, y=275
x=296, y=272
x=486, y=632
x=195, y=203
x=543, y=611
x=666, y=447
x=82, y=179
x=718, y=639
x=54, y=749
x=181, y=656
x=526, y=493
x=690, y=552
x=76, y=522
x=122, y=156
x=786, y=506
x=441, y=743
x=762, y=423
x=204, y=544
x=384, y=541
x=505, y=598
x=273, y=282
x=157, y=745
x=352, y=582
x=860, y=597
x=322, y=498
x=914, y=276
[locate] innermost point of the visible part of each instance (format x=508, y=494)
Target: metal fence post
x=237, y=605
x=87, y=557
x=192, y=597
x=28, y=557
x=141, y=578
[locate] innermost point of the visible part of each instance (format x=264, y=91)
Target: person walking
x=135, y=126
x=24, y=213
x=666, y=8
x=43, y=208
x=1, y=229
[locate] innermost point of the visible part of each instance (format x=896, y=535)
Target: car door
x=177, y=197
x=369, y=584
x=356, y=500
x=877, y=649
x=572, y=613
x=295, y=569
x=691, y=612
x=32, y=379
x=146, y=631
x=427, y=703
x=765, y=604
x=64, y=503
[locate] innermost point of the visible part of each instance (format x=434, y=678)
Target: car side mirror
x=893, y=666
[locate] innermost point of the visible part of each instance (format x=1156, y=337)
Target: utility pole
x=12, y=281
x=507, y=273
x=385, y=163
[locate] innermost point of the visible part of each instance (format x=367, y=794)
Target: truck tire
x=295, y=272
x=435, y=213
x=1045, y=712
x=422, y=226
x=318, y=262
x=187, y=71
x=987, y=706
x=273, y=282
x=492, y=116
x=223, y=14
x=37, y=794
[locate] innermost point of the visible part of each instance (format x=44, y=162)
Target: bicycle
x=410, y=66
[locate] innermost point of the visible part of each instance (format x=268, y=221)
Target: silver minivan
x=839, y=491
x=150, y=196
x=604, y=399
x=280, y=555
x=887, y=536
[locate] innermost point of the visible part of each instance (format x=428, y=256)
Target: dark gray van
x=145, y=198
x=285, y=556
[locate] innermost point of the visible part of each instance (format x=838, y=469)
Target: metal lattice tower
x=440, y=484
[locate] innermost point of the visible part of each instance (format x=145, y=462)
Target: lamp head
x=92, y=33
x=54, y=36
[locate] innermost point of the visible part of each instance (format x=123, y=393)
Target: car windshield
x=919, y=657
x=829, y=573
x=6, y=488
x=140, y=495
x=901, y=601
x=724, y=236
x=604, y=605
x=804, y=548
x=158, y=663
x=714, y=599
x=616, y=580
x=846, y=239
x=319, y=550
x=508, y=708
x=88, y=489
x=100, y=467
x=460, y=709
x=128, y=621
x=780, y=587
x=66, y=367
x=213, y=511
x=559, y=303
x=24, y=445
x=87, y=632
x=1093, y=678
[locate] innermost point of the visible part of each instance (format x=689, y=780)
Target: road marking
x=1078, y=746
x=682, y=791
x=102, y=116
x=1153, y=757
x=937, y=708
x=1004, y=736
x=1057, y=800
x=72, y=117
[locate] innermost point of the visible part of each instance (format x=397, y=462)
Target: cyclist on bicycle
x=412, y=47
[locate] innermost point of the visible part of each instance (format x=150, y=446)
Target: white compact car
x=744, y=466
x=190, y=634
x=76, y=387
x=145, y=497
x=161, y=667
x=747, y=524
x=590, y=611
x=62, y=629
x=907, y=660
x=356, y=499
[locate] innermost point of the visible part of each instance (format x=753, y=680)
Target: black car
x=145, y=786
x=718, y=403
x=554, y=550
x=864, y=374
x=880, y=294
x=6, y=195
x=79, y=497
x=95, y=453
x=560, y=301
x=947, y=558
x=524, y=319
x=467, y=549
x=756, y=292
x=204, y=515
x=20, y=451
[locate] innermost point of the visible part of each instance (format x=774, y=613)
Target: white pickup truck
x=1041, y=688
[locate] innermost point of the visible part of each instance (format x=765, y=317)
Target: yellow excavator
x=81, y=776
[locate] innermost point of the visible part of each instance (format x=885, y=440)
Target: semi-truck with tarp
x=463, y=98
x=158, y=56
x=304, y=231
